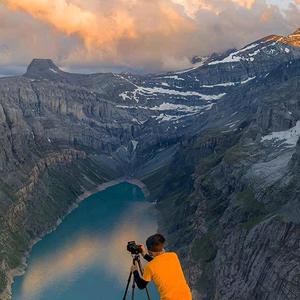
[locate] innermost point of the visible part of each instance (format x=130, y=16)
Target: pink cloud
x=152, y=35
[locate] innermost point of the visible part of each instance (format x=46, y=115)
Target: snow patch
x=288, y=137
x=144, y=91
x=175, y=77
x=219, y=85
x=234, y=57
x=232, y=124
x=124, y=96
x=134, y=144
x=247, y=80
x=225, y=84
x=168, y=118
x=181, y=108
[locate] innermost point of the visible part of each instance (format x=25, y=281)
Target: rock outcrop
x=215, y=144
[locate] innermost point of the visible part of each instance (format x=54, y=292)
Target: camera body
x=133, y=248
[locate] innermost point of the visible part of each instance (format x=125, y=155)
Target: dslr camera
x=133, y=248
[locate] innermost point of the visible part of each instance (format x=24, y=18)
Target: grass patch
x=235, y=155
x=3, y=281
x=246, y=199
x=6, y=189
x=253, y=211
x=210, y=162
x=205, y=282
x=203, y=249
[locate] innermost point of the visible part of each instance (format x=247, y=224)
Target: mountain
x=217, y=146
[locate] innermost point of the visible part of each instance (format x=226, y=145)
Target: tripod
x=136, y=258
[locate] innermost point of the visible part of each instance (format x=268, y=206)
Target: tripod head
x=136, y=257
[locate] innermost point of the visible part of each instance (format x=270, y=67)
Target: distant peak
x=297, y=32
x=40, y=67
x=290, y=40
x=294, y=38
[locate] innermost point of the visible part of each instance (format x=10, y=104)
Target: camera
x=133, y=248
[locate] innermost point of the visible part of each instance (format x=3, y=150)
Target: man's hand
x=134, y=267
x=144, y=250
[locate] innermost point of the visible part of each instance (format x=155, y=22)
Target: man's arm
x=140, y=282
x=147, y=257
x=145, y=254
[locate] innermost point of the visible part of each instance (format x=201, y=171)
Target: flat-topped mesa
x=41, y=68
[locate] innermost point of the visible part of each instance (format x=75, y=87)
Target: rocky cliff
x=215, y=144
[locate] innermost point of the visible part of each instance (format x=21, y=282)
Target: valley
x=216, y=145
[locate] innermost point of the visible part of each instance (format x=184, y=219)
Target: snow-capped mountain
x=217, y=146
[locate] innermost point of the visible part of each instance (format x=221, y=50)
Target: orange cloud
x=265, y=16
x=245, y=3
x=122, y=21
x=105, y=27
x=72, y=19
x=193, y=6
x=152, y=35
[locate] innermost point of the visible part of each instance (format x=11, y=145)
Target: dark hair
x=155, y=243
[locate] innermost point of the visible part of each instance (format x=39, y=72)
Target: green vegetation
x=19, y=244
x=57, y=189
x=205, y=282
x=235, y=155
x=246, y=199
x=64, y=183
x=203, y=249
x=5, y=190
x=3, y=281
x=210, y=161
x=248, y=225
x=156, y=180
x=253, y=210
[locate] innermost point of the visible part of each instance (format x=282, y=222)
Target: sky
x=134, y=35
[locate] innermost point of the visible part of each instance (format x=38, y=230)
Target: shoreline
x=20, y=271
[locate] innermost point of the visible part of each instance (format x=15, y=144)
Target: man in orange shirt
x=164, y=269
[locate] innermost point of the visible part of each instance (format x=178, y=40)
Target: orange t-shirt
x=166, y=272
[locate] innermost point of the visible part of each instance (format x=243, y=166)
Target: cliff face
x=216, y=145
x=239, y=215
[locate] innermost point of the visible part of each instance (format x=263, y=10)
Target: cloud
x=137, y=34
x=245, y=3
x=192, y=7
x=94, y=29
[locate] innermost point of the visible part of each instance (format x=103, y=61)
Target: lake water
x=86, y=257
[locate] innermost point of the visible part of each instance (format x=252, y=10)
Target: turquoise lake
x=85, y=258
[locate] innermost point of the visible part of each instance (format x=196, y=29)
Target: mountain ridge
x=214, y=144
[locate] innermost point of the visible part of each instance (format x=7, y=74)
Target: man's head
x=155, y=244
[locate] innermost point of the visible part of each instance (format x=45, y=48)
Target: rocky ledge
x=216, y=145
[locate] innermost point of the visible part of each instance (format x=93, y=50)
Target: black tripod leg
x=141, y=271
x=148, y=295
x=127, y=286
x=133, y=289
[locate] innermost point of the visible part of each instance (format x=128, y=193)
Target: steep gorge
x=203, y=141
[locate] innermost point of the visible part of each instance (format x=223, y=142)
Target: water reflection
x=69, y=261
x=104, y=252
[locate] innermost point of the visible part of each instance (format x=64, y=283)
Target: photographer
x=164, y=269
